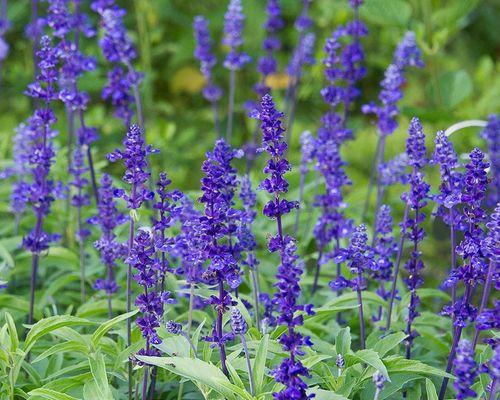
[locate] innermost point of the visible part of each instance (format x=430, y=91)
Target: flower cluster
x=491, y=134
x=217, y=230
x=451, y=181
x=394, y=171
x=234, y=20
x=473, y=269
x=150, y=302
x=384, y=249
x=40, y=192
x=204, y=54
x=465, y=370
x=416, y=199
x=168, y=212
x=267, y=64
x=4, y=26
x=291, y=370
x=134, y=156
x=359, y=258
x=119, y=50
x=108, y=218
x=407, y=54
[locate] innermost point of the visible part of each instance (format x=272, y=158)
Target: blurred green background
x=460, y=40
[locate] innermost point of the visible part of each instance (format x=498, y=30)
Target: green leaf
x=199, y=371
x=401, y=364
x=6, y=256
x=259, y=364
x=11, y=326
x=343, y=341
x=98, y=370
x=371, y=358
x=49, y=324
x=384, y=12
x=63, y=347
x=104, y=328
x=430, y=390
x=311, y=361
x=454, y=87
x=321, y=394
x=50, y=394
x=387, y=343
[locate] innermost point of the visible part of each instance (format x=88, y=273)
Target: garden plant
x=249, y=199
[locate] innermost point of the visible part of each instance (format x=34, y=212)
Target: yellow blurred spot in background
x=187, y=79
x=278, y=81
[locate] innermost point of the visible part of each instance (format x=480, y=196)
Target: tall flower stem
x=215, y=113
x=453, y=258
x=220, y=333
x=457, y=333
x=145, y=377
x=190, y=310
x=396, y=269
x=81, y=243
x=360, y=312
x=249, y=364
x=230, y=107
x=254, y=273
x=486, y=294
x=129, y=299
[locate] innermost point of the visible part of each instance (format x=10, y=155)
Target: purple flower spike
x=291, y=371
x=204, y=54
x=491, y=134
x=384, y=248
x=120, y=52
x=267, y=64
x=465, y=370
x=134, y=156
x=406, y=54
x=217, y=230
x=108, y=219
x=234, y=20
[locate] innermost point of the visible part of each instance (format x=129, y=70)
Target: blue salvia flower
x=118, y=49
x=473, y=270
x=490, y=318
x=108, y=218
x=4, y=27
x=343, y=69
x=134, y=156
x=168, y=213
x=359, y=258
x=303, y=21
x=291, y=371
x=465, y=370
x=384, y=249
x=234, y=20
x=246, y=237
x=416, y=199
x=406, y=54
x=394, y=171
x=204, y=54
x=21, y=170
x=494, y=372
x=451, y=180
x=218, y=228
x=41, y=155
x=303, y=55
x=491, y=134
x=150, y=302
x=267, y=64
